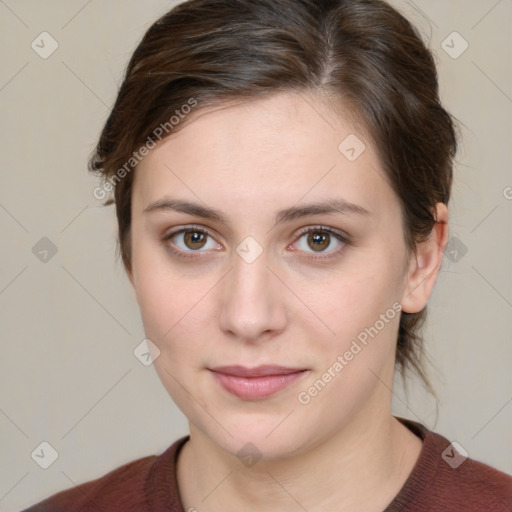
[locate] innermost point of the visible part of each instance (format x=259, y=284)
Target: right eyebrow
x=179, y=205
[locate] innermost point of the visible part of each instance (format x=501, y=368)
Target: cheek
x=161, y=294
x=364, y=316
x=363, y=310
x=351, y=302
x=166, y=306
x=175, y=310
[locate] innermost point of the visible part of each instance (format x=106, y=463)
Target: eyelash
x=323, y=229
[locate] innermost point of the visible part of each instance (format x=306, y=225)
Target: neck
x=366, y=462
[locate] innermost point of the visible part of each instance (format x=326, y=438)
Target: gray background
x=69, y=320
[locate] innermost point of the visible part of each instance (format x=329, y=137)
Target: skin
x=343, y=450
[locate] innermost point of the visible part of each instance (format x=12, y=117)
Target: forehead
x=281, y=149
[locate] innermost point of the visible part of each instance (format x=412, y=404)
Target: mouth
x=255, y=383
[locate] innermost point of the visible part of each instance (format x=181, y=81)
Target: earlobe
x=425, y=265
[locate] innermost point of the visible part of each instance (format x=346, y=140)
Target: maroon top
x=441, y=480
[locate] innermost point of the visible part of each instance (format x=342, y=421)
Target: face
x=265, y=281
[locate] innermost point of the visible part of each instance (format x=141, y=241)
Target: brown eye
x=188, y=241
x=194, y=239
x=323, y=241
x=318, y=240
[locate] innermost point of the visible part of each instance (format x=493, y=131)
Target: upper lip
x=258, y=371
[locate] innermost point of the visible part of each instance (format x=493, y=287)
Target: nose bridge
x=251, y=302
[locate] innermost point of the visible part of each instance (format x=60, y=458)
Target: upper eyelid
x=344, y=237
x=321, y=227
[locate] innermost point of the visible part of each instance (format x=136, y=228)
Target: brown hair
x=361, y=52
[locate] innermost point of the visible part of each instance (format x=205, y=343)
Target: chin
x=258, y=435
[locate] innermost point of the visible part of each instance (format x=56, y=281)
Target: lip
x=258, y=371
x=255, y=383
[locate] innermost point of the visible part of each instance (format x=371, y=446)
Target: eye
x=320, y=238
x=189, y=240
x=192, y=239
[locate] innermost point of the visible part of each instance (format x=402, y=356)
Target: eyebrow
x=331, y=206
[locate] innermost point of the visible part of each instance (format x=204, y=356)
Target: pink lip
x=255, y=383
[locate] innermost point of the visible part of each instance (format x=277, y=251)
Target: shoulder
x=472, y=483
x=123, y=486
x=446, y=478
x=137, y=486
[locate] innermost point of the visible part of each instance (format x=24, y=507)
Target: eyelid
x=184, y=255
x=341, y=236
x=344, y=236
x=188, y=227
x=325, y=256
x=200, y=229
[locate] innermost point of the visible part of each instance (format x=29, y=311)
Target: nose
x=252, y=303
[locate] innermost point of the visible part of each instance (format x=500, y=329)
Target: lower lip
x=253, y=388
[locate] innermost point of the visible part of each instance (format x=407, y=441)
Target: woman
x=281, y=171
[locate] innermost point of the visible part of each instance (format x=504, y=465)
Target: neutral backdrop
x=69, y=319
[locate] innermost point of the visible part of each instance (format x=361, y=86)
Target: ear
x=424, y=267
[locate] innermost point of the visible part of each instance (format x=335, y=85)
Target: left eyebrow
x=326, y=207
x=331, y=206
